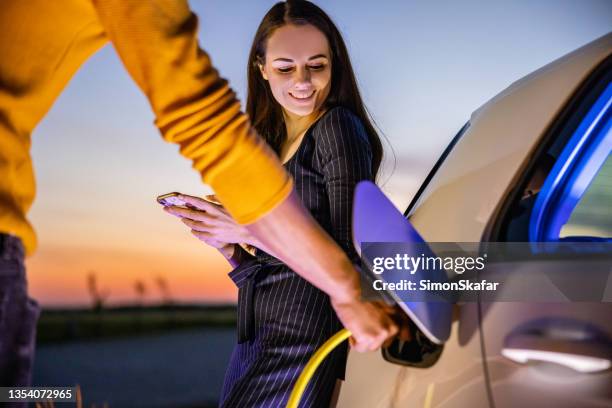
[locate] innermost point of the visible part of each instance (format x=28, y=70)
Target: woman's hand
x=211, y=223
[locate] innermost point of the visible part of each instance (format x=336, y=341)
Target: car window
x=565, y=193
x=593, y=214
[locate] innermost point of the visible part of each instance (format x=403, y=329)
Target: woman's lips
x=302, y=96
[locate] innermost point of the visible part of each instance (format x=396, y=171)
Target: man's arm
x=290, y=234
x=195, y=108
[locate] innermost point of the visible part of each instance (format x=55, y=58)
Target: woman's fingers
x=196, y=215
x=196, y=225
x=222, y=228
x=217, y=232
x=208, y=238
x=201, y=204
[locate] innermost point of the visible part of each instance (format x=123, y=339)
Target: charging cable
x=313, y=364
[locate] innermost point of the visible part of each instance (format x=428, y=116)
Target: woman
x=303, y=98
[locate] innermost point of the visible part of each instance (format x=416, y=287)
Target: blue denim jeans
x=18, y=317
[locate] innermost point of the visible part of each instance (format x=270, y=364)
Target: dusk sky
x=423, y=68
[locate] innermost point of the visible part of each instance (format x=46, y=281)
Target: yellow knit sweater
x=43, y=43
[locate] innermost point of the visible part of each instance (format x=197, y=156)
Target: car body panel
x=375, y=383
x=502, y=136
x=459, y=202
x=535, y=384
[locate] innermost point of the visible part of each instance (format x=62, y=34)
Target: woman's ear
x=263, y=71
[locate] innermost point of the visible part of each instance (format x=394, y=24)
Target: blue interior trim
x=573, y=171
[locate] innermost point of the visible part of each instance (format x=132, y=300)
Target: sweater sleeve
x=194, y=107
x=345, y=160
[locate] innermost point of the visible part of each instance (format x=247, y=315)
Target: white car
x=547, y=136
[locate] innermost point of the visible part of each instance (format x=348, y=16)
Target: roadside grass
x=65, y=325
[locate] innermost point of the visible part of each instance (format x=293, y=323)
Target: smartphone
x=211, y=198
x=171, y=199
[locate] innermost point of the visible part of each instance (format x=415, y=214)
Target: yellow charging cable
x=313, y=364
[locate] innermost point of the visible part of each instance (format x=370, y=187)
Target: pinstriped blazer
x=333, y=157
x=282, y=318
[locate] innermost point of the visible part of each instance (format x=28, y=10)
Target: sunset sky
x=423, y=67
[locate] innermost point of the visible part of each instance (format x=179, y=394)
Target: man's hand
x=401, y=319
x=290, y=234
x=369, y=322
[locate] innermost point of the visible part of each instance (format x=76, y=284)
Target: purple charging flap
x=376, y=219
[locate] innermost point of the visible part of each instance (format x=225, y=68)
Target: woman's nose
x=302, y=78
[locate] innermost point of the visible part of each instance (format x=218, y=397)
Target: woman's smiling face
x=298, y=68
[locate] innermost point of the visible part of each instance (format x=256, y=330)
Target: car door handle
x=585, y=355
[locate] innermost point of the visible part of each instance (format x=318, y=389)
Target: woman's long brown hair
x=266, y=113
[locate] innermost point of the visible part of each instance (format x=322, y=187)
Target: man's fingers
x=388, y=342
x=403, y=324
x=390, y=309
x=393, y=329
x=351, y=341
x=358, y=346
x=366, y=345
x=373, y=343
x=383, y=338
x=404, y=333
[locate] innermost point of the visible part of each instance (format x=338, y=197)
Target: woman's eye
x=284, y=70
x=316, y=67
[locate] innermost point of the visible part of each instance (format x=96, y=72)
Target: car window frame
x=558, y=133
x=580, y=160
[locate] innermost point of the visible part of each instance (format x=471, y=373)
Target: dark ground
x=137, y=357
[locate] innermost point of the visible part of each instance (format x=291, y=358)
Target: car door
x=468, y=197
x=559, y=353
x=445, y=369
